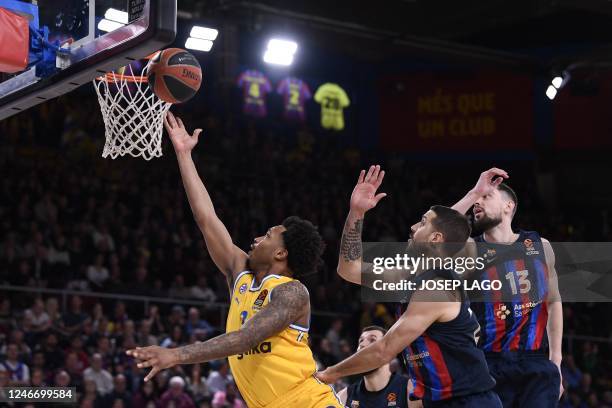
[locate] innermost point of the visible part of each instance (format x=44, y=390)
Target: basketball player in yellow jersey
x=267, y=325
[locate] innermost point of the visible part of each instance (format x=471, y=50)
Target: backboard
x=83, y=39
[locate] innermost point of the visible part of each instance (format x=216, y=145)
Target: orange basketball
x=174, y=75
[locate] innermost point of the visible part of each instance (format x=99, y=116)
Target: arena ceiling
x=531, y=34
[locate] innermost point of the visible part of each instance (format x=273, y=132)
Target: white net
x=133, y=114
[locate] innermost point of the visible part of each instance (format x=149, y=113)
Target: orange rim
x=114, y=77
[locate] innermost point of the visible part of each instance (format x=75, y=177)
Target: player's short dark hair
x=304, y=245
x=503, y=187
x=453, y=225
x=374, y=327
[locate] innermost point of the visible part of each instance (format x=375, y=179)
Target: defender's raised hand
x=182, y=141
x=364, y=195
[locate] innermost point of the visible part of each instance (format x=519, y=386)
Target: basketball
x=174, y=75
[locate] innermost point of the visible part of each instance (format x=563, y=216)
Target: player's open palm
x=364, y=195
x=181, y=140
x=158, y=358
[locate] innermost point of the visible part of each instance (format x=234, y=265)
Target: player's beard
x=486, y=223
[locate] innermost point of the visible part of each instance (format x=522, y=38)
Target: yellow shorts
x=310, y=394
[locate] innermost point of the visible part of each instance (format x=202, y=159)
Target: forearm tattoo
x=289, y=302
x=350, y=245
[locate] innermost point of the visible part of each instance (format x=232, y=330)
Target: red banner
x=485, y=111
x=582, y=115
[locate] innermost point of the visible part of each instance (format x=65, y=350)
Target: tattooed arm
x=288, y=303
x=363, y=198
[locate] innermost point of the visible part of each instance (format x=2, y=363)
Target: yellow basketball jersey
x=277, y=365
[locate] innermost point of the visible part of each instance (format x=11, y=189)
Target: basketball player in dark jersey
x=437, y=332
x=378, y=388
x=521, y=325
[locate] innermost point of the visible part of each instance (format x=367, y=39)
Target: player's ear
x=281, y=254
x=436, y=237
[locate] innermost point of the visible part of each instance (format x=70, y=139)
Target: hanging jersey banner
x=295, y=93
x=333, y=100
x=255, y=86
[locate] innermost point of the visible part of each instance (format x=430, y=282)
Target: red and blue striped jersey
x=445, y=362
x=515, y=317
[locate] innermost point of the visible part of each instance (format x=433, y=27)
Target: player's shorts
x=526, y=380
x=488, y=399
x=310, y=394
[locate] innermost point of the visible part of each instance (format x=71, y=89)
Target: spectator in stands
x=36, y=319
x=74, y=319
x=23, y=350
x=38, y=361
x=120, y=391
x=177, y=316
x=144, y=337
x=176, y=338
x=202, y=292
x=119, y=315
x=91, y=397
x=154, y=320
x=219, y=376
x=196, y=384
x=195, y=323
x=74, y=369
x=18, y=371
x=38, y=378
x=54, y=357
x=140, y=286
x=97, y=273
x=325, y=355
x=52, y=309
x=333, y=335
x=97, y=374
x=571, y=373
x=178, y=290
x=228, y=398
x=176, y=396
x=7, y=319
x=147, y=396
x=105, y=350
x=62, y=379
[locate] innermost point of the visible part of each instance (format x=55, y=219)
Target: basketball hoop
x=133, y=115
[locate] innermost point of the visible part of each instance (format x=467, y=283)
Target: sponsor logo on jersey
x=524, y=308
x=501, y=311
x=263, y=348
x=243, y=288
x=258, y=304
x=490, y=255
x=530, y=250
x=391, y=399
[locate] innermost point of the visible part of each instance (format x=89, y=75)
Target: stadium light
x=109, y=25
x=280, y=52
x=116, y=15
x=201, y=38
x=556, y=84
x=204, y=33
x=198, y=44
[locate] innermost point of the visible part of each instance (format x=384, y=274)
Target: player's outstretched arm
x=288, y=303
x=363, y=198
x=229, y=258
x=487, y=181
x=554, y=326
x=419, y=315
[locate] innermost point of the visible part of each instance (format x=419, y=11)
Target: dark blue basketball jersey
x=395, y=394
x=444, y=362
x=515, y=317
